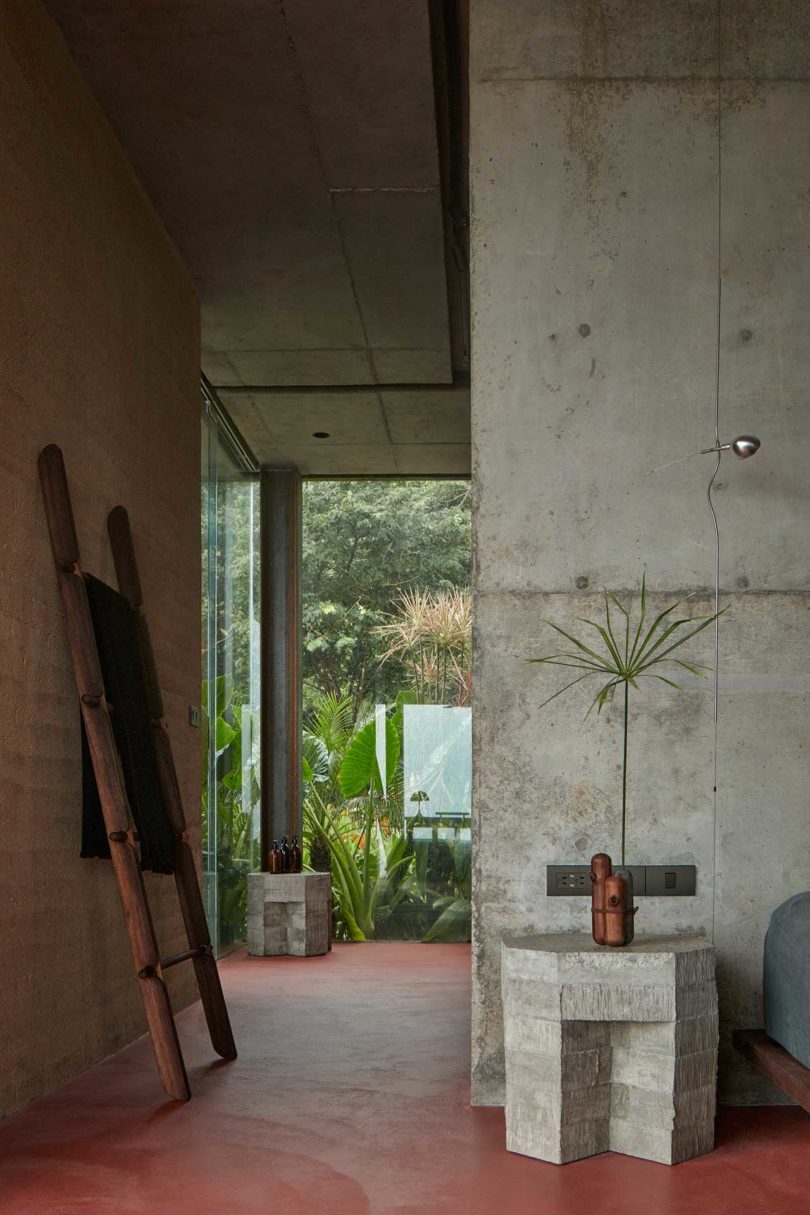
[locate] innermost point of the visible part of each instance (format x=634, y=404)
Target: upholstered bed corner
x=786, y=977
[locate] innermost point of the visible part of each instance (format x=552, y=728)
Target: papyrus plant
x=622, y=658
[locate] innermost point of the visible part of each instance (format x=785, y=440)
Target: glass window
x=387, y=717
x=437, y=761
x=230, y=685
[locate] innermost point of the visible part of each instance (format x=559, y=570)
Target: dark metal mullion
x=228, y=432
x=280, y=656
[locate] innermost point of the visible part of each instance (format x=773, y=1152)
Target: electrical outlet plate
x=193, y=715
x=575, y=880
x=656, y=881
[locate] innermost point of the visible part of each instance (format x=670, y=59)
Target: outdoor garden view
x=387, y=691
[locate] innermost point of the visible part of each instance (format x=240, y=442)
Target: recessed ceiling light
x=320, y=434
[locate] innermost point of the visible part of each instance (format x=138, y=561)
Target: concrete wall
x=595, y=249
x=99, y=352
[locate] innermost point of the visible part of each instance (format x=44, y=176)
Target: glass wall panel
x=387, y=717
x=438, y=761
x=230, y=685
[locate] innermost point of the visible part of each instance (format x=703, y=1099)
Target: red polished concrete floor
x=350, y=1097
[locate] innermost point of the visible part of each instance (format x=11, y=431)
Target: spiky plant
x=622, y=662
x=430, y=632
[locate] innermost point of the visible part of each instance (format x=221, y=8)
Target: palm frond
x=567, y=686
x=655, y=624
x=706, y=621
x=608, y=640
x=651, y=648
x=579, y=644
x=603, y=696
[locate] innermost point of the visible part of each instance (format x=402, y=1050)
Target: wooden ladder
x=149, y=966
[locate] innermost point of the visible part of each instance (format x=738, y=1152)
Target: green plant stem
x=624, y=769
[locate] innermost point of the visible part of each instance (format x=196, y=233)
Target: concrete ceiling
x=290, y=147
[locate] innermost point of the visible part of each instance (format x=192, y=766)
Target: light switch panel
x=664, y=881
x=658, y=881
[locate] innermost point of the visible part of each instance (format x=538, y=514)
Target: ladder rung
x=199, y=952
x=149, y=972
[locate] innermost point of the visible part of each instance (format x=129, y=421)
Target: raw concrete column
x=281, y=655
x=597, y=166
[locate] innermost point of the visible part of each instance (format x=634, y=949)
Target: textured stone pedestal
x=609, y=1049
x=289, y=913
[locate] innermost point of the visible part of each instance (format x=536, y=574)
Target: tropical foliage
x=622, y=658
x=385, y=883
x=364, y=543
x=382, y=562
x=230, y=541
x=235, y=792
x=430, y=633
x=385, y=621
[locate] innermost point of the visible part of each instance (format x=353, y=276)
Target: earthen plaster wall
x=99, y=352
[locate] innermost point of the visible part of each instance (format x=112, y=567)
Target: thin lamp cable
x=718, y=445
x=717, y=378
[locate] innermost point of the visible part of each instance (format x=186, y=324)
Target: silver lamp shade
x=745, y=446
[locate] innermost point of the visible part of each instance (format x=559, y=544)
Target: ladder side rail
x=109, y=775
x=186, y=877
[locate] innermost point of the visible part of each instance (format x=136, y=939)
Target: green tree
x=364, y=542
x=230, y=548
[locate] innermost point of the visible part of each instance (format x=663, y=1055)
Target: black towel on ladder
x=116, y=630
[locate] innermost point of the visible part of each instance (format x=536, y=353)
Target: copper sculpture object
x=612, y=910
x=600, y=870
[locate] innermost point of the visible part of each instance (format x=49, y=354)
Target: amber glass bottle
x=274, y=859
x=295, y=856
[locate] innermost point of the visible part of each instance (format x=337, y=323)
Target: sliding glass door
x=230, y=683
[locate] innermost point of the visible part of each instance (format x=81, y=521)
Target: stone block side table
x=609, y=1049
x=289, y=913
